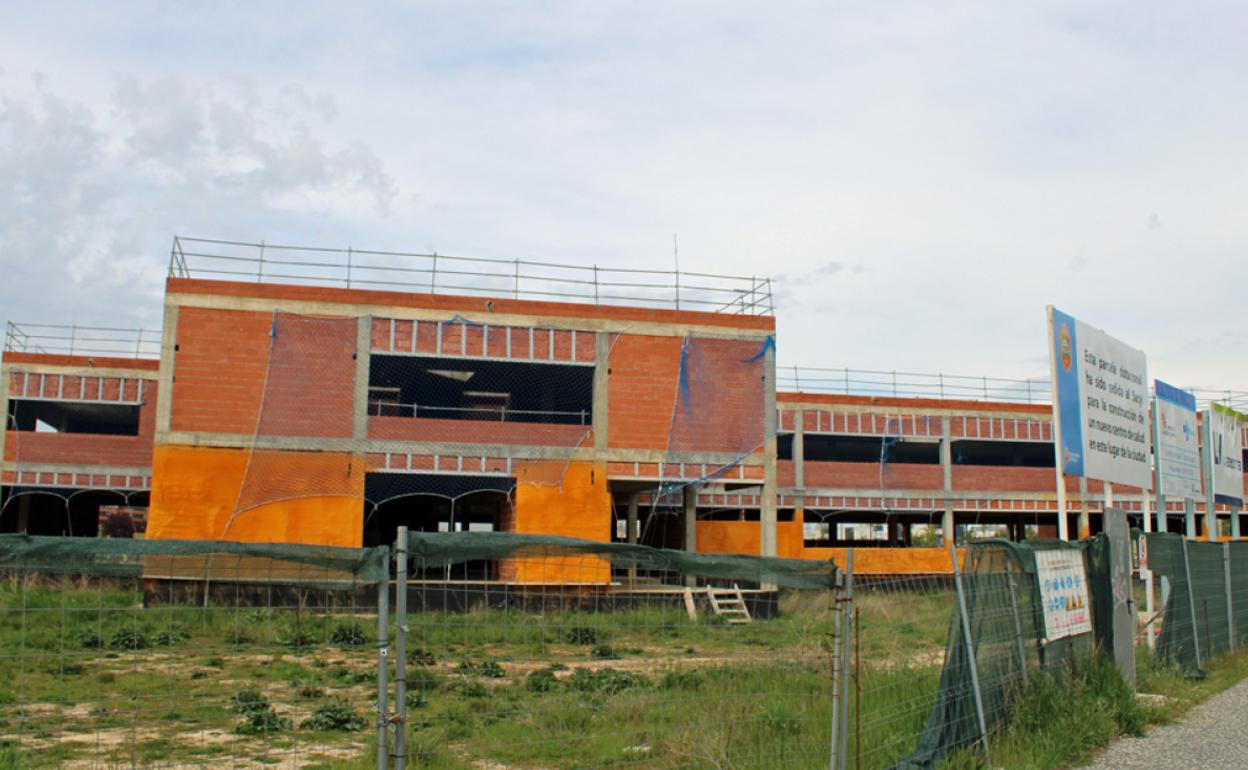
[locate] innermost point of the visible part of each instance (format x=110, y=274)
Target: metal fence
x=451, y=650
x=900, y=384
x=442, y=274
x=1204, y=597
x=81, y=340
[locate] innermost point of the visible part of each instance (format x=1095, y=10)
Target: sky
x=920, y=179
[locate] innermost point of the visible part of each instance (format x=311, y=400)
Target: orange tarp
x=561, y=498
x=196, y=491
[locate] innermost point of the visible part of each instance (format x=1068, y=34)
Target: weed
x=352, y=675
x=297, y=638
x=261, y=721
x=471, y=688
x=604, y=652
x=169, y=637
x=348, y=635
x=334, y=715
x=419, y=656
x=90, y=639
x=542, y=680
x=416, y=699
x=486, y=669
x=248, y=699
x=309, y=692
x=129, y=639
x=606, y=680
x=583, y=635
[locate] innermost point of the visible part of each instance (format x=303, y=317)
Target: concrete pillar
x=767, y=513
x=164, y=391
x=1085, y=517
x=691, y=517
x=602, y=386
x=1189, y=514
x=799, y=465
x=691, y=526
x=363, y=352
x=1234, y=522
x=946, y=467
x=23, y=513
x=631, y=526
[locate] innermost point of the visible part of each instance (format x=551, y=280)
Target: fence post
x=1230, y=615
x=843, y=733
x=1018, y=624
x=1191, y=602
x=970, y=652
x=383, y=666
x=400, y=652
x=837, y=630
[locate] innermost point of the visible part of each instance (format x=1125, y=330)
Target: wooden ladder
x=729, y=604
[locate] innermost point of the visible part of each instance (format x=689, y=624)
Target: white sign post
x=1100, y=408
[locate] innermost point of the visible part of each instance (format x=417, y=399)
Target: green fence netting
x=122, y=557
x=1006, y=619
x=444, y=549
x=1198, y=621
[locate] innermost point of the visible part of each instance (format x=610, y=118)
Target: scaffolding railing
x=77, y=340
x=435, y=273
x=899, y=384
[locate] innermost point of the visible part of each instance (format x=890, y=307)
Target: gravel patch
x=1209, y=737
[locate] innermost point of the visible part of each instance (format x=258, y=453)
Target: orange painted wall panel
x=556, y=498
x=743, y=537
x=890, y=561
x=195, y=491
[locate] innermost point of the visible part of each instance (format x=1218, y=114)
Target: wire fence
x=442, y=274
x=1204, y=597
x=81, y=340
x=135, y=653
x=900, y=384
x=477, y=650
x=466, y=650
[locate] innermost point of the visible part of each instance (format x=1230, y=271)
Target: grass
x=87, y=672
x=1059, y=722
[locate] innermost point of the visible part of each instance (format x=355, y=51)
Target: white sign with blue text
x=1064, y=592
x=1101, y=402
x=1178, y=445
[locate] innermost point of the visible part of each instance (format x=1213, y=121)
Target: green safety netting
x=1006, y=619
x=443, y=549
x=1196, y=620
x=123, y=557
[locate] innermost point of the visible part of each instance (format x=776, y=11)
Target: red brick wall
x=642, y=390
x=219, y=369
x=867, y=475
x=89, y=449
x=482, y=341
x=724, y=412
x=477, y=431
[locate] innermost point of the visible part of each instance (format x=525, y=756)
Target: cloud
x=90, y=196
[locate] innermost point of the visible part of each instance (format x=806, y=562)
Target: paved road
x=1210, y=736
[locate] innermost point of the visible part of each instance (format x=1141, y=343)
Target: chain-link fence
x=1204, y=597
x=935, y=663
x=501, y=651
x=132, y=653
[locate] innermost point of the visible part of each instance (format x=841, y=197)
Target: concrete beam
x=168, y=356
x=946, y=466
x=363, y=355
x=602, y=387
x=484, y=316
x=523, y=451
x=767, y=515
